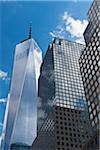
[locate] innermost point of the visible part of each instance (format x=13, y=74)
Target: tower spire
x=30, y=30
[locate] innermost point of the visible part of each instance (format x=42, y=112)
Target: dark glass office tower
x=90, y=69
x=46, y=90
x=65, y=123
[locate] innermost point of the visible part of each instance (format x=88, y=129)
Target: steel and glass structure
x=3, y=103
x=21, y=128
x=90, y=70
x=65, y=123
x=90, y=63
x=5, y=122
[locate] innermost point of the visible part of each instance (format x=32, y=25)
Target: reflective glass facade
x=5, y=122
x=46, y=87
x=66, y=126
x=46, y=135
x=69, y=90
x=2, y=111
x=22, y=114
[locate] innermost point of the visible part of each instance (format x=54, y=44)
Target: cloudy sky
x=67, y=19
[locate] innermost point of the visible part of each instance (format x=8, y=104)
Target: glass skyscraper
x=21, y=127
x=3, y=103
x=5, y=122
x=64, y=123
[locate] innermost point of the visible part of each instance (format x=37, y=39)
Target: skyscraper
x=64, y=123
x=3, y=103
x=5, y=122
x=90, y=62
x=22, y=114
x=90, y=70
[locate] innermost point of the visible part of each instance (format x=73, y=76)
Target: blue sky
x=65, y=19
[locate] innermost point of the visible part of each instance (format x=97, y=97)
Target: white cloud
x=3, y=100
x=49, y=74
x=80, y=40
x=58, y=32
x=41, y=114
x=74, y=27
x=52, y=34
x=3, y=74
x=50, y=102
x=39, y=102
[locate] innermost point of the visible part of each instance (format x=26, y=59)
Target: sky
x=64, y=19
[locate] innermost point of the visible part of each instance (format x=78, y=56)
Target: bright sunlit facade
x=22, y=114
